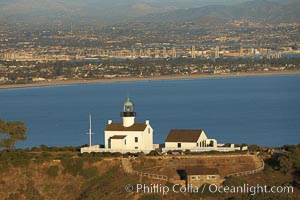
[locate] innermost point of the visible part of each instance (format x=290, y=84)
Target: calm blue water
x=252, y=110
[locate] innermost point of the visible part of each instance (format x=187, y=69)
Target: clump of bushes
x=153, y=153
x=90, y=172
x=151, y=197
x=28, y=192
x=53, y=171
x=17, y=158
x=72, y=166
x=75, y=167
x=45, y=148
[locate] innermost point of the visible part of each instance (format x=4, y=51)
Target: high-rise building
x=156, y=53
x=165, y=52
x=241, y=51
x=174, y=52
x=193, y=53
x=217, y=52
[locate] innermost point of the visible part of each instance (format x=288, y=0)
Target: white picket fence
x=250, y=171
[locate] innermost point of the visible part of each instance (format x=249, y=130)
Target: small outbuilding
x=188, y=139
x=197, y=176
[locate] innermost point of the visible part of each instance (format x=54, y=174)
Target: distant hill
x=96, y=12
x=267, y=11
x=104, y=12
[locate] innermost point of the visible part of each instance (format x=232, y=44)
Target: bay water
x=263, y=110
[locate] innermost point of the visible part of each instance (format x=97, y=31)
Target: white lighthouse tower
x=128, y=114
x=126, y=136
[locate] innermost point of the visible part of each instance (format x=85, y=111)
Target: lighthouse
x=128, y=135
x=128, y=114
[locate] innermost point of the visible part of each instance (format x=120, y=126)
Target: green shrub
x=116, y=154
x=28, y=192
x=20, y=163
x=92, y=159
x=44, y=147
x=45, y=155
x=53, y=171
x=13, y=196
x=153, y=153
x=187, y=152
x=106, y=154
x=35, y=149
x=53, y=148
x=31, y=192
x=254, y=147
x=67, y=148
x=17, y=159
x=98, y=154
x=89, y=172
x=72, y=166
x=4, y=167
x=285, y=163
x=66, y=155
x=151, y=197
x=38, y=160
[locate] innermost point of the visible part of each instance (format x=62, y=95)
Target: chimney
x=109, y=121
x=147, y=122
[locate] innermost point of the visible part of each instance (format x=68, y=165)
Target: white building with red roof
x=194, y=141
x=126, y=136
x=129, y=136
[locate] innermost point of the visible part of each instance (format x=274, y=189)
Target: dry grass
x=169, y=165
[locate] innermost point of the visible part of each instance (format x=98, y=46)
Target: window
x=193, y=177
x=148, y=130
x=211, y=177
x=109, y=143
x=124, y=141
x=136, y=139
x=179, y=145
x=136, y=147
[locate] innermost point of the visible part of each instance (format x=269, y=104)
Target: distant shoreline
x=134, y=79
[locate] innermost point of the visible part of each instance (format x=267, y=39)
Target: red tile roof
x=120, y=127
x=184, y=135
x=118, y=137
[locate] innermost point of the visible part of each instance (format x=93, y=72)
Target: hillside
x=61, y=173
x=103, y=12
x=263, y=10
x=96, y=12
x=169, y=166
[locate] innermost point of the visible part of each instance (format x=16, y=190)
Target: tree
x=11, y=133
x=290, y=161
x=285, y=163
